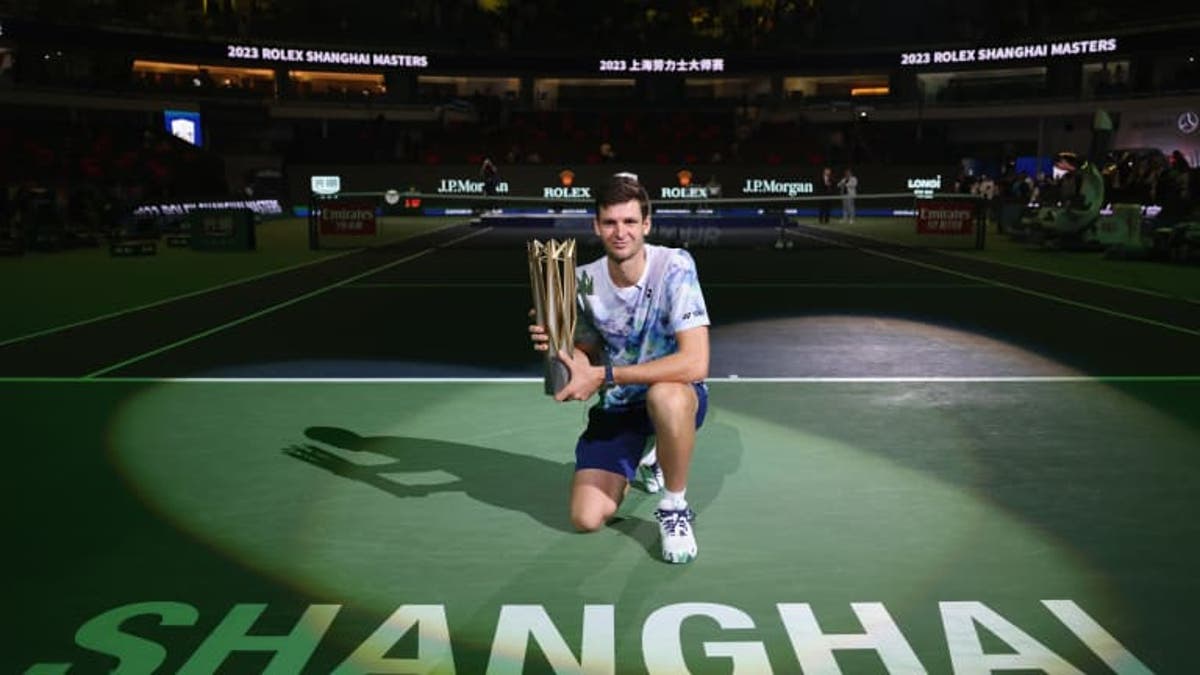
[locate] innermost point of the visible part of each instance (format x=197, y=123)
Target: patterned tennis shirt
x=639, y=323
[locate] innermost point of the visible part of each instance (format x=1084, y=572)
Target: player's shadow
x=529, y=485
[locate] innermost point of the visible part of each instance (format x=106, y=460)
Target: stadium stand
x=807, y=86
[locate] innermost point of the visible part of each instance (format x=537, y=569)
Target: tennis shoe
x=651, y=477
x=678, y=540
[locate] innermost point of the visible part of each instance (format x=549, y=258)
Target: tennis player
x=641, y=343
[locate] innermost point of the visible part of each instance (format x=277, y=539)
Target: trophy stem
x=552, y=281
x=556, y=376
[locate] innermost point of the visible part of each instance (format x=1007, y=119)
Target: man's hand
x=585, y=379
x=537, y=333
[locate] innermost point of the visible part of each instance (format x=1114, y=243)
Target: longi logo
x=934, y=183
x=458, y=186
x=925, y=187
x=567, y=192
x=775, y=187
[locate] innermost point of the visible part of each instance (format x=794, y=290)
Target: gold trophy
x=552, y=280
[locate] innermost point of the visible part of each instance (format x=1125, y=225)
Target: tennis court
x=914, y=461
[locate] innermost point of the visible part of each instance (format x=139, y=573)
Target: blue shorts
x=615, y=439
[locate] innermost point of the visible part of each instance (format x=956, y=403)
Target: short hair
x=1069, y=158
x=621, y=188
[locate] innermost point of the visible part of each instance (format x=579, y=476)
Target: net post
x=980, y=223
x=313, y=243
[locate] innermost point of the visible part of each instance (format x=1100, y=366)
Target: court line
x=1109, y=284
x=978, y=379
x=1002, y=284
x=732, y=284
x=278, y=306
x=184, y=296
x=967, y=256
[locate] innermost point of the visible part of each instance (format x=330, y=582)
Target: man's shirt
x=639, y=323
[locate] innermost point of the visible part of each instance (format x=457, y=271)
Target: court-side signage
x=706, y=64
x=1041, y=50
x=574, y=192
x=326, y=185
x=945, y=217
x=348, y=218
x=925, y=187
x=459, y=186
x=689, y=192
x=732, y=641
x=259, y=206
x=771, y=186
x=272, y=54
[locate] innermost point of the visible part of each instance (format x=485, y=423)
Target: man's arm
x=687, y=364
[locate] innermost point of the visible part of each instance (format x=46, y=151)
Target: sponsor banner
x=276, y=54
x=686, y=64
x=925, y=187
x=348, y=218
x=775, y=187
x=1000, y=54
x=945, y=217
x=664, y=183
x=575, y=192
x=262, y=207
x=462, y=186
x=681, y=192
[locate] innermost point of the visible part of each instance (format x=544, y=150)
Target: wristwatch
x=608, y=374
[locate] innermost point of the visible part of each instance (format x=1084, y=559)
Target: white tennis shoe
x=651, y=477
x=678, y=539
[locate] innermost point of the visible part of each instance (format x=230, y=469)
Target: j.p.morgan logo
x=456, y=186
x=761, y=186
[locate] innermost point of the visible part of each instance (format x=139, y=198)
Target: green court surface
x=1174, y=280
x=48, y=290
x=967, y=526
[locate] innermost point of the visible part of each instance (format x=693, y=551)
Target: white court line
x=1028, y=268
x=1002, y=284
x=278, y=306
x=156, y=303
x=710, y=284
x=1109, y=284
x=190, y=294
x=734, y=379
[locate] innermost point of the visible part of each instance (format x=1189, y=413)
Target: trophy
x=552, y=280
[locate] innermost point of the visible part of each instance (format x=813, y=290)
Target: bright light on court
x=834, y=345
x=453, y=495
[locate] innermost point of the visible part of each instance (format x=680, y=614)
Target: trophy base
x=556, y=377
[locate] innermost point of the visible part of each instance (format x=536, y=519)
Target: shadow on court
x=537, y=487
x=529, y=485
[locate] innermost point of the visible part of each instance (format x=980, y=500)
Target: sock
x=650, y=457
x=673, y=500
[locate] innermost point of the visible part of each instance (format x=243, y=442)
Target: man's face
x=622, y=230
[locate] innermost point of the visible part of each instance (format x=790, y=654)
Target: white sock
x=650, y=457
x=673, y=500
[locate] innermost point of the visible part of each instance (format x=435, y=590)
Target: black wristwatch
x=608, y=374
